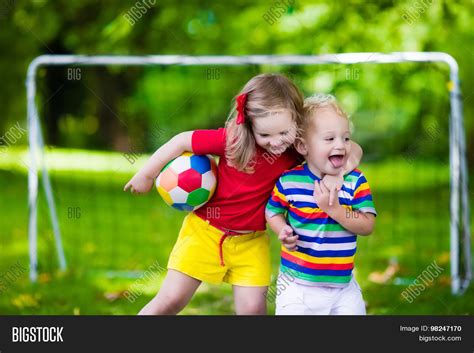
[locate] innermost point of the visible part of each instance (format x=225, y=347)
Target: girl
x=225, y=240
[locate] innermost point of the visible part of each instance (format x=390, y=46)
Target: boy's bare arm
x=276, y=223
x=285, y=233
x=354, y=221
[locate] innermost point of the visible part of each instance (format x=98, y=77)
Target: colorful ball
x=188, y=181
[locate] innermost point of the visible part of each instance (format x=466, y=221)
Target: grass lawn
x=111, y=238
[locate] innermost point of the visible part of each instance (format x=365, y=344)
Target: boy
x=319, y=239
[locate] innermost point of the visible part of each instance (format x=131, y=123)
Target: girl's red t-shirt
x=240, y=198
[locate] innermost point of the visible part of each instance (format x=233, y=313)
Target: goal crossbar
x=459, y=201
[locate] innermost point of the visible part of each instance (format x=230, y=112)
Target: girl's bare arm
x=142, y=181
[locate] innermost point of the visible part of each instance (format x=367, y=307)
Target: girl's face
x=327, y=143
x=275, y=132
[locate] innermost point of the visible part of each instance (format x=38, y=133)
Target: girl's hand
x=139, y=184
x=287, y=238
x=322, y=196
x=333, y=183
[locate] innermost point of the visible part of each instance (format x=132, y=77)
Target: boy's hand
x=287, y=238
x=139, y=184
x=333, y=183
x=321, y=195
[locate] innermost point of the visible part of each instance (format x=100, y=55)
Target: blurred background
x=101, y=123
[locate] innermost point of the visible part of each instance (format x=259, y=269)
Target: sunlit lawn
x=111, y=237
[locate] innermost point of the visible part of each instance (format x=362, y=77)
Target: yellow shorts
x=205, y=253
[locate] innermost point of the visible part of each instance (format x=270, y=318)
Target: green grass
x=118, y=236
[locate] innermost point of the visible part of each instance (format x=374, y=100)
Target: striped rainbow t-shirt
x=325, y=254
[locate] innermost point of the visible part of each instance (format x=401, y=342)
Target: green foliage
x=396, y=101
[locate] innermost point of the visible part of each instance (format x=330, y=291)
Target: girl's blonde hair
x=266, y=94
x=320, y=101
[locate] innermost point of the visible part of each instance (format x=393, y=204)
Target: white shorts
x=299, y=299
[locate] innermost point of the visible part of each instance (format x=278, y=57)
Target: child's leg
x=250, y=300
x=176, y=291
x=349, y=301
x=289, y=299
x=299, y=299
x=248, y=258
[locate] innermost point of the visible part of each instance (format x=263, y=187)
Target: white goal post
x=459, y=201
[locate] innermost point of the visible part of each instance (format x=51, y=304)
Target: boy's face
x=275, y=132
x=326, y=143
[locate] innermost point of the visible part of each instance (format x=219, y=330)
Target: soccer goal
x=38, y=170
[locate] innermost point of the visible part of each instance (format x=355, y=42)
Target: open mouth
x=337, y=160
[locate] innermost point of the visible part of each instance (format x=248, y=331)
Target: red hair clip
x=241, y=100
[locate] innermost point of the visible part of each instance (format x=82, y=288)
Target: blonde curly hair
x=317, y=102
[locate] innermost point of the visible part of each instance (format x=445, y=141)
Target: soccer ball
x=188, y=181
